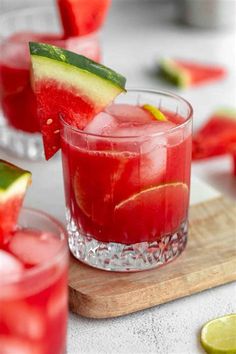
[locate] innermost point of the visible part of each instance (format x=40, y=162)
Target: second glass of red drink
x=20, y=130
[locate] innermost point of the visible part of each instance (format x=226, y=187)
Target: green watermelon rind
x=79, y=61
x=173, y=73
x=13, y=180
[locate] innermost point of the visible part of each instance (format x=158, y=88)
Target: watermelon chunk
x=80, y=17
x=69, y=85
x=13, y=185
x=185, y=73
x=217, y=136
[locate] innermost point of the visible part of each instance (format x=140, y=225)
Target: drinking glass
x=34, y=305
x=127, y=197
x=19, y=126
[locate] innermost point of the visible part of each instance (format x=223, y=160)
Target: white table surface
x=135, y=35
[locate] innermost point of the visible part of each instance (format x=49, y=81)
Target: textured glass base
x=21, y=144
x=126, y=258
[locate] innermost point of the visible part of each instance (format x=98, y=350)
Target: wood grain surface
x=208, y=261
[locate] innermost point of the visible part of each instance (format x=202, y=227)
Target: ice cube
x=176, y=137
x=153, y=152
x=24, y=320
x=129, y=113
x=123, y=129
x=34, y=247
x=102, y=124
x=15, y=345
x=10, y=265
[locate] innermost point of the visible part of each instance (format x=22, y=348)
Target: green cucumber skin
x=79, y=61
x=9, y=174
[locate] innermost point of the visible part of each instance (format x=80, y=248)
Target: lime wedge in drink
x=156, y=113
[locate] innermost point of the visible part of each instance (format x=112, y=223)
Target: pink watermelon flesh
x=81, y=17
x=215, y=138
x=13, y=185
x=200, y=73
x=75, y=110
x=9, y=211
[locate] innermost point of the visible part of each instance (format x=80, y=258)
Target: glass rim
x=39, y=10
x=133, y=137
x=37, y=269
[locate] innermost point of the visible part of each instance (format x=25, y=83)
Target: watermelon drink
x=33, y=281
x=21, y=131
x=127, y=181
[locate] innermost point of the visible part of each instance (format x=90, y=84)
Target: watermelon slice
x=13, y=185
x=185, y=73
x=71, y=86
x=217, y=136
x=80, y=17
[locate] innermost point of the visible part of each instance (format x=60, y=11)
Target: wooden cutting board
x=208, y=261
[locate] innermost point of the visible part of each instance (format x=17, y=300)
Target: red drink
x=33, y=280
x=127, y=181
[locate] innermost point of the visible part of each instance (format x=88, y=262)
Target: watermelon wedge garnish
x=80, y=17
x=184, y=73
x=69, y=85
x=13, y=185
x=217, y=135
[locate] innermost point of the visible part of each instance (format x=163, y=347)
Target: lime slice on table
x=219, y=336
x=155, y=112
x=69, y=85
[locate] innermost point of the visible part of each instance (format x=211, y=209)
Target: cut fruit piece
x=72, y=86
x=219, y=336
x=217, y=136
x=80, y=17
x=185, y=73
x=158, y=210
x=155, y=112
x=13, y=184
x=34, y=247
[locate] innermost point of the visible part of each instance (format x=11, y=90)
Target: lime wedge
x=155, y=112
x=219, y=336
